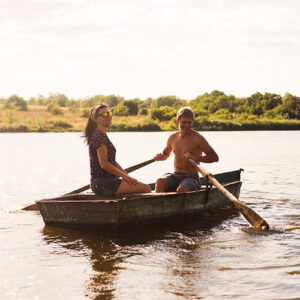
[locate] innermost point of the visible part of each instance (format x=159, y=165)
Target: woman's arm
x=109, y=167
x=120, y=168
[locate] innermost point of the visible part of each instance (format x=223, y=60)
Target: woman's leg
x=126, y=188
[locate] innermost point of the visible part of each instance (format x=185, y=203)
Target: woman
x=105, y=171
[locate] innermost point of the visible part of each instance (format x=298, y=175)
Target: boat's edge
x=114, y=211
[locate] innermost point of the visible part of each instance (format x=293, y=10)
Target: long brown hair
x=91, y=124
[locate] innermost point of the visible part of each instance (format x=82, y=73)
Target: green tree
x=238, y=105
x=32, y=101
x=291, y=106
x=41, y=100
x=17, y=102
x=132, y=107
x=62, y=100
x=225, y=102
x=113, y=100
x=120, y=110
x=200, y=112
x=270, y=101
x=224, y=114
x=208, y=101
x=148, y=102
x=89, y=102
x=143, y=111
x=253, y=104
x=163, y=113
x=171, y=101
x=59, y=99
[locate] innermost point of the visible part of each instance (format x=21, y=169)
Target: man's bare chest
x=182, y=146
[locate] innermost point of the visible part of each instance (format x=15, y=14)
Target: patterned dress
x=98, y=138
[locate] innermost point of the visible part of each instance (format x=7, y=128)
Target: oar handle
x=204, y=172
x=82, y=189
x=138, y=166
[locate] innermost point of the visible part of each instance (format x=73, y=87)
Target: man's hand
x=190, y=155
x=159, y=156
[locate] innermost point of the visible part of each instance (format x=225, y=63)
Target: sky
x=149, y=48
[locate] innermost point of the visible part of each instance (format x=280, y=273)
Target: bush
x=143, y=111
x=73, y=109
x=13, y=128
x=144, y=125
x=57, y=110
x=60, y=100
x=171, y=101
x=85, y=113
x=132, y=107
x=223, y=114
x=201, y=112
x=252, y=117
x=60, y=123
x=9, y=116
x=163, y=113
x=17, y=102
x=120, y=110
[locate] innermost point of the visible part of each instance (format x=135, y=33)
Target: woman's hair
x=91, y=124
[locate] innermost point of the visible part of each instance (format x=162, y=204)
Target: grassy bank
x=38, y=119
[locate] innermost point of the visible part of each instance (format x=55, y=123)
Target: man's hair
x=185, y=112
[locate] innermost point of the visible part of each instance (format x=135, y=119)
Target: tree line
x=164, y=108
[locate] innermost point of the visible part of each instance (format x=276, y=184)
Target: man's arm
x=203, y=146
x=166, y=152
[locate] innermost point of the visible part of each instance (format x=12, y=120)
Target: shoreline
x=216, y=125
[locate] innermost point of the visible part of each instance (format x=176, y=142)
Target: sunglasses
x=106, y=114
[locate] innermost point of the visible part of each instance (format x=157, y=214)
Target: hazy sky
x=149, y=48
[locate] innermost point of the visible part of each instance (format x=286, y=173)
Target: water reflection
x=173, y=245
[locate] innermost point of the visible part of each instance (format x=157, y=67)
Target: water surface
x=192, y=259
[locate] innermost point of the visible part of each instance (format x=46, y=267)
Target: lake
x=225, y=260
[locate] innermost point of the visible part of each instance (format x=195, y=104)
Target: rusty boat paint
x=95, y=212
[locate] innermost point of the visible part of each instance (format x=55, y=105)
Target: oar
x=86, y=187
x=250, y=215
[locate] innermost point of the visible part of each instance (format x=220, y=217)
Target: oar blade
x=253, y=218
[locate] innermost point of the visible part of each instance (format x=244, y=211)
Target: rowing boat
x=87, y=210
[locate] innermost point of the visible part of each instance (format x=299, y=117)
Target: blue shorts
x=105, y=186
x=191, y=181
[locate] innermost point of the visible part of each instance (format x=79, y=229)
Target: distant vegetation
x=213, y=111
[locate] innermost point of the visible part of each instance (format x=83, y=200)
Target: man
x=185, y=143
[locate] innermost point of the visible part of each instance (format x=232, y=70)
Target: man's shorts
x=191, y=181
x=105, y=186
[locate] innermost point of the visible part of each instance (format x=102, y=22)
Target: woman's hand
x=130, y=180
